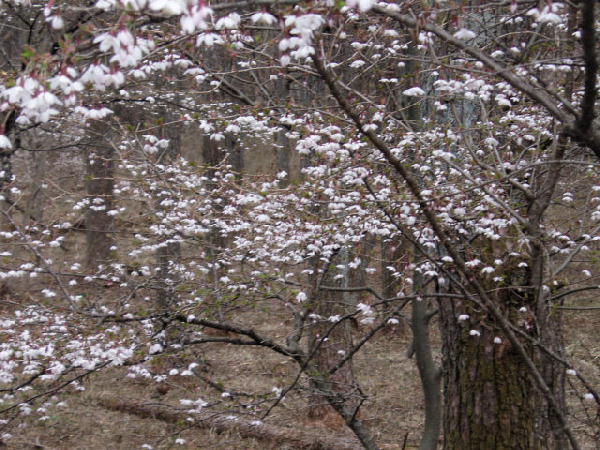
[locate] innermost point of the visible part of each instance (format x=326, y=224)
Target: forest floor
x=394, y=409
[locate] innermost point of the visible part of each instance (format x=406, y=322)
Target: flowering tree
x=465, y=138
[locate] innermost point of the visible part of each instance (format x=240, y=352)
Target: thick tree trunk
x=491, y=401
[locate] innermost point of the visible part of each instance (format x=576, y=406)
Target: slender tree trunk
x=429, y=372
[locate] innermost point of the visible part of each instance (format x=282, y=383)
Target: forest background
x=299, y=224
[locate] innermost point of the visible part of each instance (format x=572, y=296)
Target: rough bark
x=491, y=400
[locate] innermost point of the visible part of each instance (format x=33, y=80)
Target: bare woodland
x=299, y=224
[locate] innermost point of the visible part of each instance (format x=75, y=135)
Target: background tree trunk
x=329, y=347
x=169, y=254
x=35, y=203
x=99, y=184
x=337, y=397
x=214, y=155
